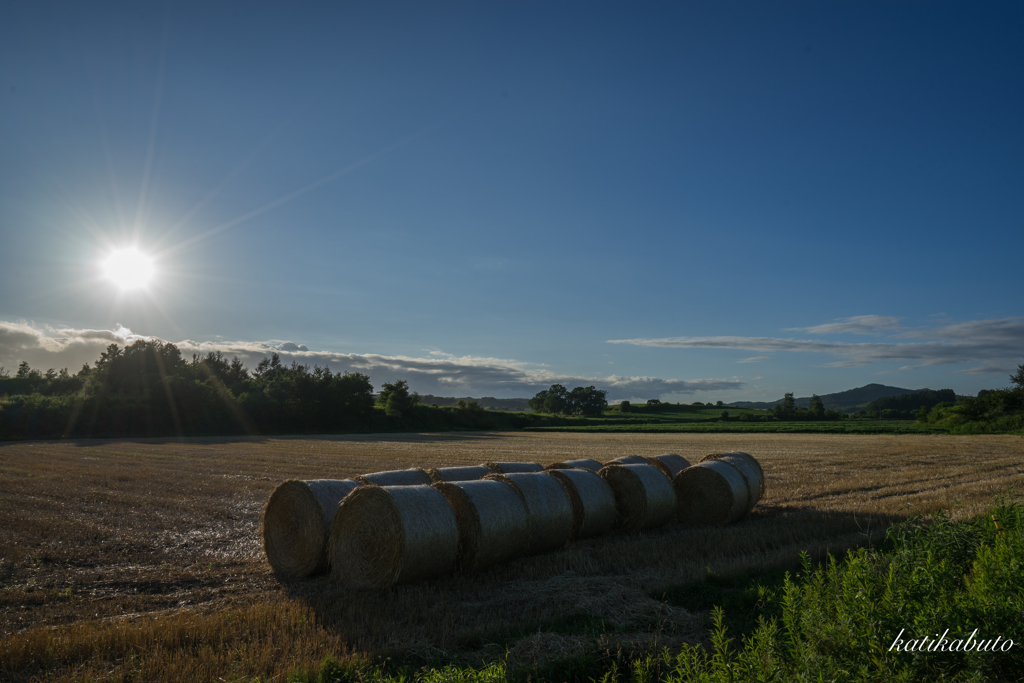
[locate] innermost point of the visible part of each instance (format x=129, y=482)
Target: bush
x=845, y=621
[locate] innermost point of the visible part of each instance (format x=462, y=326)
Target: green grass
x=672, y=418
x=834, y=622
x=744, y=598
x=774, y=427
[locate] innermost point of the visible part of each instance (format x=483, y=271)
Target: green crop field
x=670, y=418
x=720, y=427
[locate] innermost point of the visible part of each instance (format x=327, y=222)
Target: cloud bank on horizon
x=439, y=373
x=989, y=346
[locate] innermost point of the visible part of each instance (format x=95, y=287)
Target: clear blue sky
x=687, y=200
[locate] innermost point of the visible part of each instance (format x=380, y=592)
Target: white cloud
x=753, y=359
x=995, y=345
x=1007, y=369
x=858, y=324
x=57, y=347
x=440, y=373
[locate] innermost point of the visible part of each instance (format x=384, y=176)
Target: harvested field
x=143, y=557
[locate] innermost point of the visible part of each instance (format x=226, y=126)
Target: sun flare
x=129, y=268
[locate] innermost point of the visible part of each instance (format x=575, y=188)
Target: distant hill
x=488, y=402
x=848, y=401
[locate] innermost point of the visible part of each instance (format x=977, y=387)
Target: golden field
x=141, y=559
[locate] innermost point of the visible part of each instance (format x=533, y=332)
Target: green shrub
x=843, y=621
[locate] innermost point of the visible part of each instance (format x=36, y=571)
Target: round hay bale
x=548, y=509
x=410, y=477
x=670, y=463
x=583, y=464
x=751, y=460
x=751, y=476
x=296, y=522
x=592, y=500
x=644, y=497
x=629, y=460
x=710, y=493
x=491, y=517
x=383, y=536
x=467, y=473
x=656, y=464
x=513, y=467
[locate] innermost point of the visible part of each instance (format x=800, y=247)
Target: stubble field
x=141, y=559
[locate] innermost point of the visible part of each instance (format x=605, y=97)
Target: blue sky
x=690, y=201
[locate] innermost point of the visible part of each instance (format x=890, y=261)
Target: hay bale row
x=296, y=523
x=751, y=476
x=548, y=509
x=394, y=526
x=629, y=460
x=644, y=497
x=670, y=463
x=712, y=493
x=410, y=477
x=466, y=473
x=383, y=536
x=592, y=501
x=583, y=464
x=492, y=521
x=751, y=464
x=513, y=467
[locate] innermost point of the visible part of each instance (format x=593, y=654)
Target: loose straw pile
x=548, y=509
x=644, y=497
x=383, y=536
x=296, y=522
x=491, y=517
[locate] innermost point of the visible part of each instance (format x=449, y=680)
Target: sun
x=129, y=268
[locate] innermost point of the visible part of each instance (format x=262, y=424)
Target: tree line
x=149, y=388
x=908, y=406
x=562, y=401
x=788, y=410
x=991, y=411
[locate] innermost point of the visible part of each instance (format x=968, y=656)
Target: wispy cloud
x=987, y=370
x=858, y=324
x=995, y=345
x=753, y=359
x=440, y=373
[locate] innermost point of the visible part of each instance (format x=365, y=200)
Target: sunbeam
x=301, y=191
x=140, y=214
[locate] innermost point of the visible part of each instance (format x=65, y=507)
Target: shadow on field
x=611, y=586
